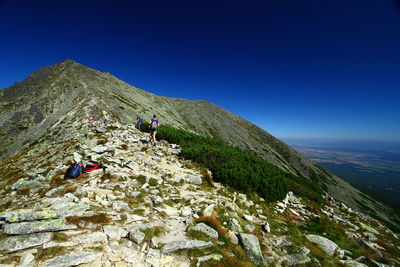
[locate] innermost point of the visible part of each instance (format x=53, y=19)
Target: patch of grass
x=101, y=218
x=5, y=206
x=102, y=141
x=12, y=260
x=154, y=231
x=108, y=176
x=238, y=259
x=334, y=232
x=197, y=235
x=139, y=178
x=48, y=253
x=24, y=191
x=61, y=237
x=139, y=212
x=69, y=189
x=207, y=177
x=153, y=182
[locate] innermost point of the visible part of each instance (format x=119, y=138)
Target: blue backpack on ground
x=73, y=171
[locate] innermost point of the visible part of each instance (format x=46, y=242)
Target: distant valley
x=373, y=167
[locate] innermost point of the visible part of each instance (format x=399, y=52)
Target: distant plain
x=372, y=166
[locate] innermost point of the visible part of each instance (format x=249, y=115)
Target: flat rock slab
x=324, y=243
x=184, y=245
x=15, y=243
x=72, y=259
x=114, y=232
x=205, y=229
x=100, y=149
x=37, y=226
x=252, y=247
x=19, y=216
x=353, y=263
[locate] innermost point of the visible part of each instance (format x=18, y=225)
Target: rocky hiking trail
x=152, y=208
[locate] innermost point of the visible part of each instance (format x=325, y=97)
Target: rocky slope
x=152, y=208
x=33, y=107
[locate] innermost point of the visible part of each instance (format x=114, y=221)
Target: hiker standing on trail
x=139, y=121
x=153, y=129
x=90, y=121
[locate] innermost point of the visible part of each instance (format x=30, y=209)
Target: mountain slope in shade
x=68, y=90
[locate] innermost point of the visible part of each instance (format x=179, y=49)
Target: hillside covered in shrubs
x=238, y=168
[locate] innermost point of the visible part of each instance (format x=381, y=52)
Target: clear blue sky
x=295, y=68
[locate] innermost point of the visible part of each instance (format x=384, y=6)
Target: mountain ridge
x=28, y=109
x=151, y=207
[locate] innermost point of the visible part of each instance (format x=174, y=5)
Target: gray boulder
x=205, y=229
x=325, y=244
x=214, y=257
x=100, y=149
x=15, y=243
x=37, y=226
x=232, y=237
x=234, y=225
x=194, y=179
x=120, y=205
x=72, y=259
x=249, y=228
x=136, y=236
x=209, y=210
x=114, y=232
x=185, y=245
x=252, y=247
x=186, y=211
x=298, y=258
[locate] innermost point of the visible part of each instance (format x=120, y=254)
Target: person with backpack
x=139, y=121
x=154, y=124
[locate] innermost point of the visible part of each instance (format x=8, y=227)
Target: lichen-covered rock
x=205, y=229
x=252, y=247
x=325, y=244
x=71, y=259
x=28, y=215
x=234, y=225
x=368, y=228
x=249, y=228
x=185, y=245
x=15, y=243
x=37, y=226
x=298, y=258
